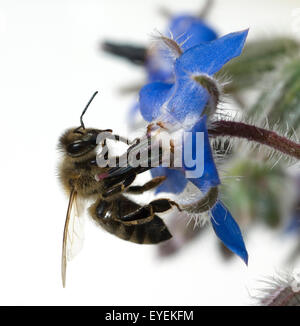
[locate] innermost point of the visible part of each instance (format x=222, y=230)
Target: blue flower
x=184, y=101
x=185, y=98
x=224, y=225
x=176, y=179
x=210, y=176
x=186, y=30
x=222, y=221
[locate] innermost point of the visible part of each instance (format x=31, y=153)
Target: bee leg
x=129, y=170
x=119, y=187
x=110, y=135
x=122, y=139
x=147, y=212
x=147, y=186
x=151, y=126
x=131, y=175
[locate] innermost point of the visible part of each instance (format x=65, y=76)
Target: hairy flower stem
x=253, y=133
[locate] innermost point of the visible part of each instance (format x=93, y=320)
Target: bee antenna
x=86, y=107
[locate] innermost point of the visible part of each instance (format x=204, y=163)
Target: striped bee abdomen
x=108, y=216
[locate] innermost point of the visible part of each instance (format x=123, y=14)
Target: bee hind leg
x=147, y=186
x=146, y=213
x=117, y=186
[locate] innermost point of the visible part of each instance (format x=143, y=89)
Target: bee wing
x=76, y=229
x=73, y=233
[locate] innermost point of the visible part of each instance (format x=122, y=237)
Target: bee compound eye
x=76, y=147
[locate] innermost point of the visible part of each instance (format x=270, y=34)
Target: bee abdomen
x=151, y=232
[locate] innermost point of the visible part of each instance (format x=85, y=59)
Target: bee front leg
x=147, y=212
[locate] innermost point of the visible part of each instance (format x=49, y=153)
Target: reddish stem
x=253, y=133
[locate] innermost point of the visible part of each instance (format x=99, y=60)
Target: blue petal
x=190, y=31
x=211, y=57
x=175, y=182
x=196, y=34
x=228, y=230
x=179, y=24
x=186, y=30
x=210, y=176
x=152, y=97
x=160, y=66
x=188, y=100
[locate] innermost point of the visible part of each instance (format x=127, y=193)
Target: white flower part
x=296, y=281
x=192, y=195
x=282, y=289
x=190, y=120
x=169, y=44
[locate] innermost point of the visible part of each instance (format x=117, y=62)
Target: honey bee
x=111, y=209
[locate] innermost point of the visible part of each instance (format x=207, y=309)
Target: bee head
x=77, y=142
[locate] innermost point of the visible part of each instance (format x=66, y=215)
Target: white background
x=50, y=64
